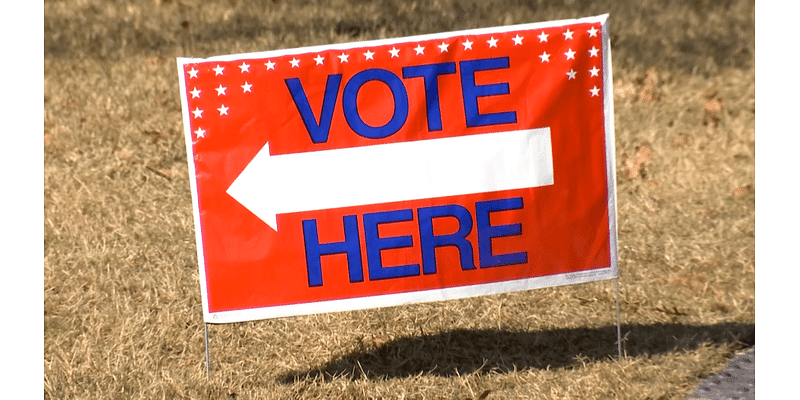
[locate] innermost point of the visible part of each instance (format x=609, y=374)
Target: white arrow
x=424, y=169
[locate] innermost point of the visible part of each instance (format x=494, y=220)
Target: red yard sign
x=394, y=171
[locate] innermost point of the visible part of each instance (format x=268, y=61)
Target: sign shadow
x=462, y=351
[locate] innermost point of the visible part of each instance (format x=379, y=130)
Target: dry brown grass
x=122, y=311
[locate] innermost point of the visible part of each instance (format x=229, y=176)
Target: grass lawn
x=122, y=309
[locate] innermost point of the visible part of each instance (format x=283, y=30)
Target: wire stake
x=208, y=356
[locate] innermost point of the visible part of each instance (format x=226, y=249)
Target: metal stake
x=208, y=356
x=619, y=330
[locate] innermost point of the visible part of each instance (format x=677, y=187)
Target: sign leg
x=619, y=330
x=208, y=356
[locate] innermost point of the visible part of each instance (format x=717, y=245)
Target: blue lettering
x=315, y=250
x=350, y=108
x=376, y=243
x=486, y=232
x=471, y=92
x=317, y=130
x=430, y=74
x=429, y=242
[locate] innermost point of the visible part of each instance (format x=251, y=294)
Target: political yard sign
x=395, y=171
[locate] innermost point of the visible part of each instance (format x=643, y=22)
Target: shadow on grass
x=466, y=351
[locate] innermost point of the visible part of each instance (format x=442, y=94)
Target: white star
x=369, y=55
x=195, y=93
x=395, y=52
x=200, y=132
x=343, y=57
x=319, y=59
x=570, y=54
x=244, y=67
x=467, y=45
x=492, y=42
x=593, y=32
x=198, y=113
x=223, y=110
x=594, y=71
x=517, y=40
x=545, y=57
x=571, y=74
x=270, y=64
x=443, y=47
x=218, y=70
x=568, y=34
x=543, y=37
x=193, y=73
x=593, y=51
x=295, y=62
x=595, y=91
x=419, y=49
x=220, y=90
x=246, y=87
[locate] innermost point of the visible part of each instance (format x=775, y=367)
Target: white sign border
x=424, y=296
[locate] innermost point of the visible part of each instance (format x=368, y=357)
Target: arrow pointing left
x=384, y=173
